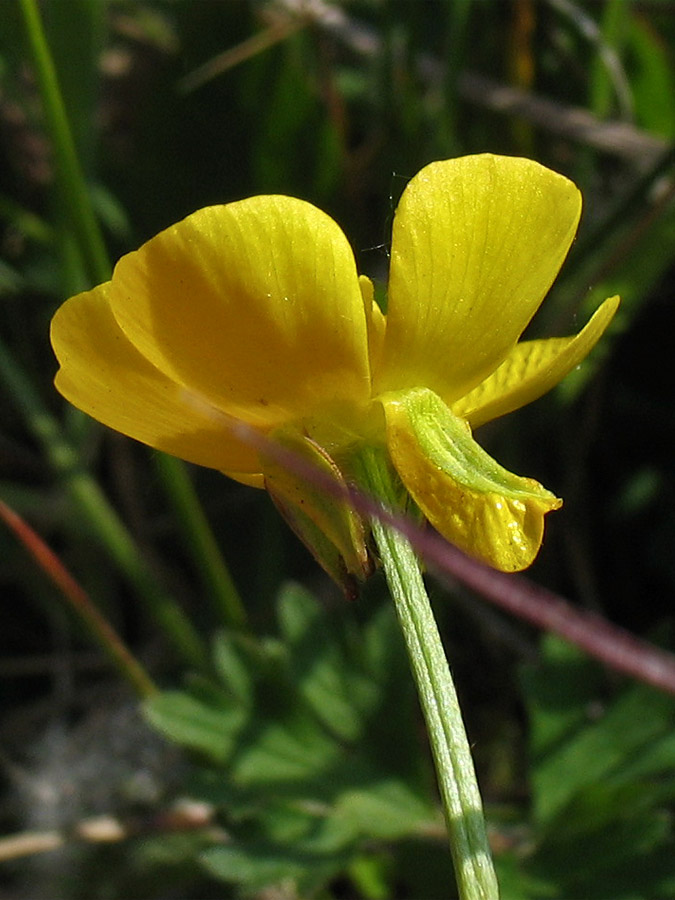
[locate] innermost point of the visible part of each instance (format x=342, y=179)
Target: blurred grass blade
x=252, y=46
x=606, y=54
x=24, y=220
x=98, y=513
x=77, y=201
x=76, y=33
x=635, y=205
x=213, y=572
x=608, y=78
x=627, y=252
x=98, y=627
x=73, y=189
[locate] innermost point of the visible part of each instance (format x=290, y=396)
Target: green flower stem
x=215, y=575
x=469, y=846
x=99, y=515
x=77, y=203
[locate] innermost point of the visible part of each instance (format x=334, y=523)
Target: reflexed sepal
x=475, y=503
x=332, y=531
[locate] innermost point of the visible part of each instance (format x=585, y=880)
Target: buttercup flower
x=254, y=311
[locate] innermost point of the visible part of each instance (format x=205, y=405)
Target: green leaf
x=559, y=693
x=335, y=691
x=388, y=810
x=518, y=882
x=602, y=782
x=653, y=79
x=602, y=748
x=196, y=725
x=235, y=666
x=260, y=865
x=277, y=752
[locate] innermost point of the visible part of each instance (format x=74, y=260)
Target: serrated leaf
x=335, y=691
x=600, y=783
x=254, y=867
x=558, y=692
x=601, y=749
x=195, y=725
x=260, y=865
x=293, y=750
x=387, y=810
x=235, y=671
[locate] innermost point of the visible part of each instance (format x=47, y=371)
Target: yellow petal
x=252, y=479
x=104, y=375
x=476, y=244
x=488, y=512
x=531, y=369
x=255, y=305
x=375, y=321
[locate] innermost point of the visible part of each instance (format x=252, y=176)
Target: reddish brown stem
x=612, y=645
x=80, y=601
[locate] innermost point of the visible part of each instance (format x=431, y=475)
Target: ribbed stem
x=461, y=799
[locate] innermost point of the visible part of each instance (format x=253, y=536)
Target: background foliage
x=297, y=765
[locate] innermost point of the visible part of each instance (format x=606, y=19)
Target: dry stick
x=612, y=645
x=573, y=123
x=238, y=54
x=184, y=816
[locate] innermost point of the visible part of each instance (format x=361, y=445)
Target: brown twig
x=618, y=138
x=186, y=815
x=80, y=602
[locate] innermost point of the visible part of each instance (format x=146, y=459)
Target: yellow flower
x=254, y=311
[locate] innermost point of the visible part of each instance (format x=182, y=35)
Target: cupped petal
x=469, y=498
x=476, y=244
x=531, y=369
x=255, y=305
x=104, y=375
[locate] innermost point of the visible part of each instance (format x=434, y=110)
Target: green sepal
x=475, y=503
x=330, y=528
